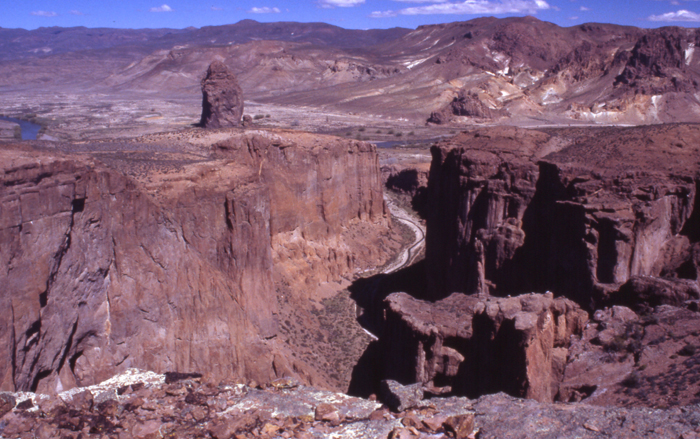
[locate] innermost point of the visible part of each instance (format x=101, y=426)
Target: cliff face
x=176, y=271
x=479, y=345
x=326, y=202
x=515, y=210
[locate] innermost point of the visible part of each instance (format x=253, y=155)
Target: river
x=29, y=129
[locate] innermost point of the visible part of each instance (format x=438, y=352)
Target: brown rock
x=434, y=423
x=326, y=412
x=82, y=401
x=480, y=344
x=222, y=100
x=402, y=433
x=7, y=403
x=146, y=430
x=461, y=425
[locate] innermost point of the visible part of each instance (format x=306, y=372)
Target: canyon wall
x=513, y=211
x=176, y=269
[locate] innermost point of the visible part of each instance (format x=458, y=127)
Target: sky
x=351, y=14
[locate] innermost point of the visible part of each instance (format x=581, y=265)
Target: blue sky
x=353, y=14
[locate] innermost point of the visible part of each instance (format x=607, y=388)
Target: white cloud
x=575, y=17
x=216, y=8
x=76, y=12
x=682, y=15
x=264, y=10
x=583, y=8
x=340, y=3
x=383, y=14
x=44, y=13
x=162, y=8
x=472, y=7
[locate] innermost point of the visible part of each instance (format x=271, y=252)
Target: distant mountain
x=21, y=43
x=513, y=70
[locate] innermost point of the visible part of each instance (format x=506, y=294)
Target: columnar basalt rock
x=515, y=210
x=478, y=345
x=222, y=98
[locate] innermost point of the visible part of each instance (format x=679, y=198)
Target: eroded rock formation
x=222, y=98
x=175, y=270
x=515, y=210
x=464, y=104
x=478, y=345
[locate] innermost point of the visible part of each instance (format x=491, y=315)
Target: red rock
x=176, y=272
x=479, y=344
x=511, y=213
x=326, y=412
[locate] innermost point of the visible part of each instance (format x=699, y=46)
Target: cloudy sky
x=354, y=14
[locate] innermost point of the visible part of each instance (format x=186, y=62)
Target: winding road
x=407, y=255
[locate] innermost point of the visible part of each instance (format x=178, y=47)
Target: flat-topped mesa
x=222, y=98
x=479, y=345
x=516, y=210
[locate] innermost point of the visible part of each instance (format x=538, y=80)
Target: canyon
x=175, y=269
x=422, y=233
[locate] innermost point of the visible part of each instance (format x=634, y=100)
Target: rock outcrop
x=222, y=98
x=464, y=104
x=625, y=359
x=478, y=345
x=144, y=405
x=179, y=268
x=514, y=211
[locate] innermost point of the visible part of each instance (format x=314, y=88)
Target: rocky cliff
x=174, y=269
x=574, y=212
x=480, y=345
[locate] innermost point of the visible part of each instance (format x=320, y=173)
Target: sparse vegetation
x=361, y=129
x=398, y=134
x=688, y=350
x=632, y=380
x=258, y=117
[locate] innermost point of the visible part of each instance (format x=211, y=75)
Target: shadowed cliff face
x=175, y=271
x=516, y=211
